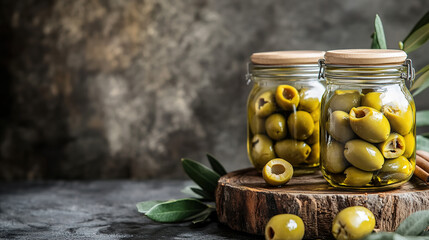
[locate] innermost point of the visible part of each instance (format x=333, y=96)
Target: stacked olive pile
x=284, y=123
x=369, y=142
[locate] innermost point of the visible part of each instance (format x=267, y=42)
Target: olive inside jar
x=283, y=109
x=368, y=119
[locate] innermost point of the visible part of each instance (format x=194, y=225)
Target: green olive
x=373, y=99
x=314, y=138
x=344, y=100
x=395, y=170
x=285, y=227
x=293, y=151
x=363, y=155
x=353, y=223
x=335, y=161
x=262, y=150
x=315, y=115
x=369, y=124
x=402, y=120
x=264, y=104
x=275, y=126
x=338, y=126
x=308, y=102
x=257, y=124
x=410, y=145
x=356, y=177
x=393, y=147
x=277, y=172
x=287, y=97
x=314, y=154
x=300, y=125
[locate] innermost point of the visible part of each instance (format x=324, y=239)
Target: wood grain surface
x=245, y=202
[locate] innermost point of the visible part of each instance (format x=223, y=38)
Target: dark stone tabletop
x=95, y=210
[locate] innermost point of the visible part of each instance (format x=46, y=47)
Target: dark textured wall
x=118, y=89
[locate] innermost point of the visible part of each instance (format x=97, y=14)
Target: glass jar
x=368, y=119
x=283, y=109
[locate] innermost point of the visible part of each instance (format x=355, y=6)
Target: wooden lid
x=365, y=57
x=287, y=57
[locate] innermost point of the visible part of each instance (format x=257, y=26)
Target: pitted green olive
x=344, y=100
x=287, y=97
x=369, y=124
x=315, y=115
x=402, y=120
x=338, y=126
x=277, y=172
x=373, y=99
x=410, y=145
x=285, y=227
x=257, y=124
x=262, y=150
x=363, y=155
x=314, y=138
x=275, y=126
x=356, y=177
x=300, y=125
x=264, y=104
x=353, y=223
x=314, y=154
x=335, y=161
x=295, y=152
x=395, y=170
x=393, y=147
x=308, y=102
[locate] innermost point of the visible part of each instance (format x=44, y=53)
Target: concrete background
x=124, y=89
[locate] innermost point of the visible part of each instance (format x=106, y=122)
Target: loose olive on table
x=353, y=223
x=285, y=227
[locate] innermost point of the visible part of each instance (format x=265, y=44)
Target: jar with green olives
x=368, y=119
x=284, y=109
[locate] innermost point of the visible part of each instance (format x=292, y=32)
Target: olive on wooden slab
x=264, y=104
x=353, y=223
x=257, y=124
x=401, y=119
x=356, y=177
x=314, y=138
x=308, y=101
x=363, y=155
x=277, y=172
x=393, y=147
x=300, y=125
x=335, y=161
x=344, y=100
x=275, y=125
x=410, y=145
x=285, y=227
x=338, y=126
x=293, y=151
x=373, y=99
x=262, y=150
x=369, y=124
x=287, y=97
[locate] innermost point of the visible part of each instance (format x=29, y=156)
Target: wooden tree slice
x=245, y=202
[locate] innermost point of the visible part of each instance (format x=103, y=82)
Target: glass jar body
x=368, y=133
x=283, y=112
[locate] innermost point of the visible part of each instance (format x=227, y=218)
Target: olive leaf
x=143, y=207
x=421, y=83
x=415, y=224
x=422, y=118
x=422, y=143
x=378, y=38
x=417, y=39
x=423, y=21
x=215, y=164
x=204, y=215
x=201, y=175
x=202, y=193
x=384, y=236
x=374, y=43
x=177, y=210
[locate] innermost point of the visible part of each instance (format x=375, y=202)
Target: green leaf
x=422, y=143
x=423, y=21
x=203, y=193
x=415, y=224
x=203, y=216
x=143, y=207
x=380, y=236
x=176, y=211
x=425, y=69
x=422, y=118
x=417, y=39
x=374, y=43
x=201, y=175
x=381, y=39
x=216, y=165
x=421, y=83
